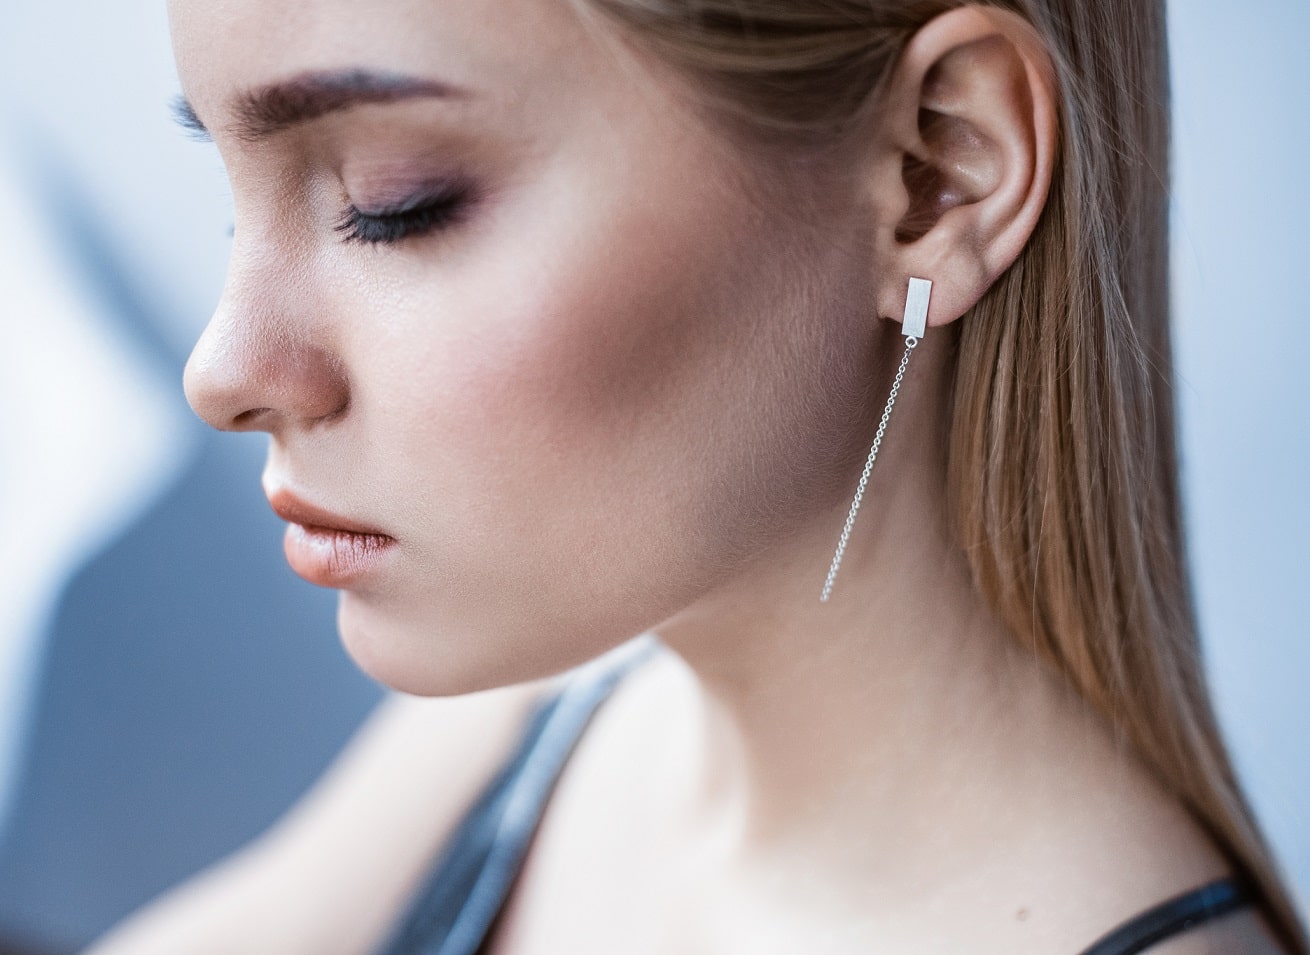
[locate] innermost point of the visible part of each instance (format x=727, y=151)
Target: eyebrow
x=267, y=110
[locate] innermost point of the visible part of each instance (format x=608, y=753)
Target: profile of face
x=506, y=296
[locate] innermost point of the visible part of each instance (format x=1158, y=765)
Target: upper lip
x=291, y=508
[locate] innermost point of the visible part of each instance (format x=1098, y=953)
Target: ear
x=963, y=158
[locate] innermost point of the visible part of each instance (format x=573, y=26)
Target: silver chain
x=868, y=467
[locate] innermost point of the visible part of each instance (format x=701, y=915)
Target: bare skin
x=630, y=390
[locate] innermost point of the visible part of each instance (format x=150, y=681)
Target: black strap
x=1173, y=917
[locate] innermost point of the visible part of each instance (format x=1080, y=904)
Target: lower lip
x=332, y=558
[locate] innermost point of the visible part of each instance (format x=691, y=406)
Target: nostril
x=250, y=419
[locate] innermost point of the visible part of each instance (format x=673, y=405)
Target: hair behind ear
x=1064, y=474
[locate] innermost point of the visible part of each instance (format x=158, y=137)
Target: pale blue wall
x=1242, y=276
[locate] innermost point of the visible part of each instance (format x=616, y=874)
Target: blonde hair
x=1063, y=471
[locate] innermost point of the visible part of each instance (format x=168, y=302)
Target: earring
x=912, y=327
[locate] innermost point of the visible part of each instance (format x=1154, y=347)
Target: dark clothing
x=456, y=908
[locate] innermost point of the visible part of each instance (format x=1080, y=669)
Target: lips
x=328, y=549
x=295, y=511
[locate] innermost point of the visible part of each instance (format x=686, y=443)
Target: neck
x=874, y=712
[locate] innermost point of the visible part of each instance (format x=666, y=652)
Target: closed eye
x=413, y=218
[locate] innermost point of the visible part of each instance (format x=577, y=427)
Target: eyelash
x=410, y=219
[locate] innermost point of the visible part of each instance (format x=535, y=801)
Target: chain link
x=910, y=344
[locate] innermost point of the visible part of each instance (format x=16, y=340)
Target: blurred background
x=168, y=687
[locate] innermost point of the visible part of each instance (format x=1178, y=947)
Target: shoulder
x=331, y=873
x=1114, y=848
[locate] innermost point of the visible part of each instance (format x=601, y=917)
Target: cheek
x=563, y=407
x=597, y=415
x=630, y=383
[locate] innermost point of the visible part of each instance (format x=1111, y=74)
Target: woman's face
x=516, y=305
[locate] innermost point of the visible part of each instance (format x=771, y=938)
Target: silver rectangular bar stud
x=916, y=308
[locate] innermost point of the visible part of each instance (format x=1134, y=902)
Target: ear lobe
x=971, y=114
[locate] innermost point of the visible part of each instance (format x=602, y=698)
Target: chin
x=422, y=661
x=424, y=655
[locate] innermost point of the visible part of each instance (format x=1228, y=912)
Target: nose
x=257, y=368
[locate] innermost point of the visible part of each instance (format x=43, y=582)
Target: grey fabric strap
x=452, y=913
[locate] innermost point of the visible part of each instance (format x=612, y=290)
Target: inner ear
x=957, y=163
x=963, y=159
